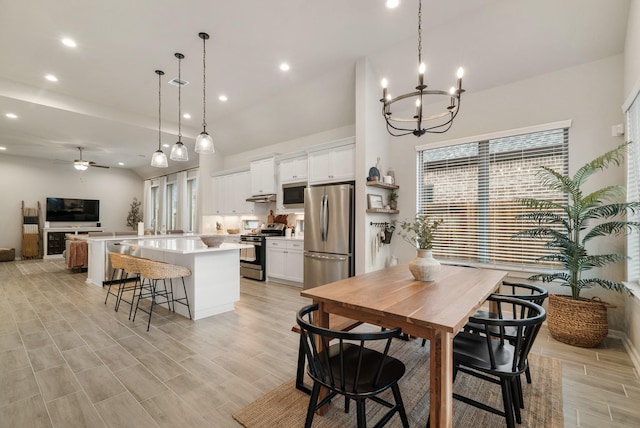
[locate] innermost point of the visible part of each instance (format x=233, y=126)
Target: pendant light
x=179, y=150
x=159, y=159
x=419, y=124
x=204, y=141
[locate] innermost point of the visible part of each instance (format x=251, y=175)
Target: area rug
x=285, y=406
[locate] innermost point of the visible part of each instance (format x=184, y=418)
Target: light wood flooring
x=69, y=360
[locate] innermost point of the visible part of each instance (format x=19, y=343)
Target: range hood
x=262, y=199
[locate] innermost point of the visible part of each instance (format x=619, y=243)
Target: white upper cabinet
x=231, y=192
x=292, y=170
x=332, y=165
x=263, y=177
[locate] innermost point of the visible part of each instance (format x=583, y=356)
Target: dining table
x=434, y=310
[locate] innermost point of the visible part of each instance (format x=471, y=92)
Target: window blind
x=474, y=186
x=633, y=188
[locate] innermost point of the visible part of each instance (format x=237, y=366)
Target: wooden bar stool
x=117, y=263
x=152, y=272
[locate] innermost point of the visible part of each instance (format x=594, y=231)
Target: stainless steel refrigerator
x=328, y=234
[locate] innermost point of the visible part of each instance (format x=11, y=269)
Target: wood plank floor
x=69, y=360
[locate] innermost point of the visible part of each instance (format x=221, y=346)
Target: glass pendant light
x=204, y=141
x=179, y=150
x=159, y=159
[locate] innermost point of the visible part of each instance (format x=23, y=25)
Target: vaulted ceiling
x=106, y=96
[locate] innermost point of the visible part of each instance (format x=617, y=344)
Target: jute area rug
x=285, y=406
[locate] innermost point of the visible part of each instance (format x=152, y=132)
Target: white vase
x=424, y=267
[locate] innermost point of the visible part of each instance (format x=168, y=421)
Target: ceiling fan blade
x=98, y=166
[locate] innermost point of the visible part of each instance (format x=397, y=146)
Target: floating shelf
x=382, y=211
x=382, y=185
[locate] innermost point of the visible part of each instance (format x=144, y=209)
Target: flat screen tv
x=66, y=209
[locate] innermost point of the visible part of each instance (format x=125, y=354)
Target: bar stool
x=131, y=269
x=153, y=271
x=117, y=263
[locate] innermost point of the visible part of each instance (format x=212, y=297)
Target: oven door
x=252, y=260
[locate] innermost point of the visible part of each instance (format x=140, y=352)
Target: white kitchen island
x=214, y=284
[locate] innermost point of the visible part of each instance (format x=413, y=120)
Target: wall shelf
x=382, y=211
x=382, y=185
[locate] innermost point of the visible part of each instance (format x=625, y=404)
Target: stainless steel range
x=253, y=261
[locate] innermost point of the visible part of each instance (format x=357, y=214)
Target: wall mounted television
x=66, y=209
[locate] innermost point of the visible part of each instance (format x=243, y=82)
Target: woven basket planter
x=577, y=322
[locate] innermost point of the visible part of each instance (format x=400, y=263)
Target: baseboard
x=633, y=353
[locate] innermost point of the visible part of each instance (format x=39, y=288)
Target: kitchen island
x=214, y=284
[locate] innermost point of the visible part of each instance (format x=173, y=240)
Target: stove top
x=269, y=229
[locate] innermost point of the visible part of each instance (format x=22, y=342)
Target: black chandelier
x=437, y=123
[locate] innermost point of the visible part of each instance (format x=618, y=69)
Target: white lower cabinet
x=285, y=260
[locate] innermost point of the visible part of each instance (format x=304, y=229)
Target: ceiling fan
x=82, y=165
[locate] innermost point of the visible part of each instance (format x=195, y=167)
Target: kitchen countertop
x=284, y=238
x=184, y=245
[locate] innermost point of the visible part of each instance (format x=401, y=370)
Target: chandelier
x=419, y=124
x=179, y=150
x=159, y=159
x=204, y=141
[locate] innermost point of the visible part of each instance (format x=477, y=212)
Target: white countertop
x=137, y=237
x=184, y=245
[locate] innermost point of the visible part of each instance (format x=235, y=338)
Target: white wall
x=590, y=95
x=371, y=143
x=632, y=84
x=32, y=180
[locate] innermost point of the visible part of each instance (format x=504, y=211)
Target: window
x=192, y=193
x=155, y=207
x=172, y=205
x=473, y=186
x=633, y=188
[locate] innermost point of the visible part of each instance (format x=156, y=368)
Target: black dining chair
x=523, y=291
x=348, y=368
x=488, y=353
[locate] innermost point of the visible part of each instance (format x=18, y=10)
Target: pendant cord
x=419, y=33
x=204, y=84
x=159, y=111
x=179, y=99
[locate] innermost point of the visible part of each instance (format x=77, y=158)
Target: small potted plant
x=135, y=214
x=393, y=200
x=420, y=233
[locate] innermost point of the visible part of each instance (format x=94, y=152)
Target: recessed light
x=11, y=116
x=392, y=4
x=284, y=66
x=223, y=98
x=165, y=145
x=69, y=42
x=121, y=163
x=3, y=148
x=186, y=116
x=51, y=78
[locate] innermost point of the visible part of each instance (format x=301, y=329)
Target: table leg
x=322, y=320
x=441, y=393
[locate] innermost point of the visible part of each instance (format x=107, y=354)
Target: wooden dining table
x=435, y=311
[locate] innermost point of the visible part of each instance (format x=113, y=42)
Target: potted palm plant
x=420, y=232
x=567, y=228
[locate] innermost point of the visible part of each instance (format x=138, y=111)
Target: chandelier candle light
x=179, y=150
x=435, y=124
x=159, y=159
x=204, y=141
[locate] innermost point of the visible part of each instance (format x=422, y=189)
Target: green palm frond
x=549, y=277
x=611, y=228
x=600, y=163
x=609, y=193
x=605, y=283
x=613, y=210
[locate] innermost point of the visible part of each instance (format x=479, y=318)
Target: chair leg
x=516, y=399
x=300, y=369
x=527, y=373
x=186, y=298
x=133, y=296
x=153, y=301
x=403, y=414
x=312, y=404
x=362, y=414
x=508, y=404
x=520, y=393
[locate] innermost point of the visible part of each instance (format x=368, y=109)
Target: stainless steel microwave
x=293, y=195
